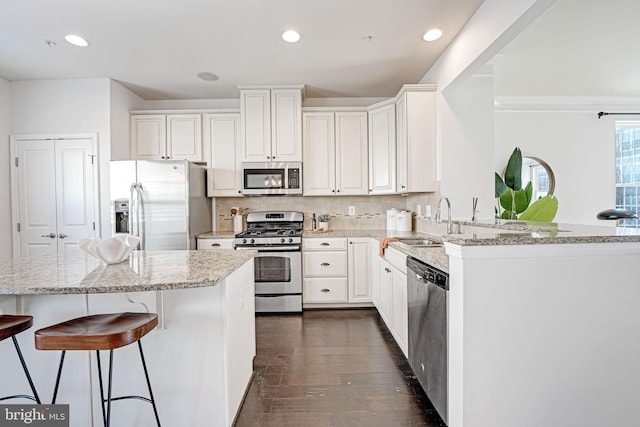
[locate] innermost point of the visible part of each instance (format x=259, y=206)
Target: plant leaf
x=513, y=173
x=501, y=187
x=542, y=210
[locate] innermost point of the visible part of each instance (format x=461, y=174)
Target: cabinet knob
x=268, y=157
x=333, y=191
x=239, y=191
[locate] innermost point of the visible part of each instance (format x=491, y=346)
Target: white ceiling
x=157, y=47
x=576, y=48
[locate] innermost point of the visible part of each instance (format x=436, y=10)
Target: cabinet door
x=184, y=137
x=421, y=141
x=255, y=126
x=148, y=137
x=359, y=270
x=222, y=148
x=401, y=143
x=286, y=125
x=351, y=153
x=384, y=292
x=399, y=314
x=382, y=150
x=319, y=154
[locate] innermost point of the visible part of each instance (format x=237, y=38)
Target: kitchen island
x=200, y=358
x=543, y=325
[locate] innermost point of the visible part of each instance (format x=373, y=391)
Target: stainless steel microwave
x=271, y=178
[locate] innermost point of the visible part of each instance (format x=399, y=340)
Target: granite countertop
x=78, y=273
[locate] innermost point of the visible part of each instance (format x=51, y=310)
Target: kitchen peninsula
x=199, y=358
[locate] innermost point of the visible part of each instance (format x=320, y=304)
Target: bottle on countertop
x=313, y=222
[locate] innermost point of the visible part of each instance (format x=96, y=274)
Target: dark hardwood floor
x=332, y=368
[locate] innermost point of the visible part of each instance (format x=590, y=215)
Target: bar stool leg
x=26, y=370
x=146, y=374
x=104, y=415
x=55, y=390
x=109, y=388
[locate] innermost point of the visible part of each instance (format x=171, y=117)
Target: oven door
x=278, y=270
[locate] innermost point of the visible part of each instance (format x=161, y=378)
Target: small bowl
x=113, y=250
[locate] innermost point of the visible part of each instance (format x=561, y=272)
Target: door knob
x=62, y=235
x=50, y=235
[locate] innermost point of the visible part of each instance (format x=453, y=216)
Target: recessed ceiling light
x=76, y=40
x=432, y=35
x=208, y=77
x=291, y=36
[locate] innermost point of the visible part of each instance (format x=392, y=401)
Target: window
x=628, y=169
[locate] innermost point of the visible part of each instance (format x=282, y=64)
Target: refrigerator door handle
x=132, y=210
x=140, y=218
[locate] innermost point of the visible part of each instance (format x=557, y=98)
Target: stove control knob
x=290, y=240
x=252, y=241
x=282, y=240
x=244, y=240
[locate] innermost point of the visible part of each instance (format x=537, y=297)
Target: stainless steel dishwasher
x=427, y=294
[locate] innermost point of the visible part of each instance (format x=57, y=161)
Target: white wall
x=66, y=106
x=121, y=101
x=5, y=185
x=466, y=146
x=579, y=147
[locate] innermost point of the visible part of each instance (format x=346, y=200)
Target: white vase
x=323, y=225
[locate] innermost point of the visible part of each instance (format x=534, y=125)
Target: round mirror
x=539, y=173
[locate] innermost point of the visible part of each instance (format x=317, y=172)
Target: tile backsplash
x=370, y=210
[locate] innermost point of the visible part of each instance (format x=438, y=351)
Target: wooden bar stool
x=100, y=332
x=10, y=326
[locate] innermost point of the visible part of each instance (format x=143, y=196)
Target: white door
x=222, y=148
x=184, y=137
x=54, y=202
x=351, y=153
x=319, y=155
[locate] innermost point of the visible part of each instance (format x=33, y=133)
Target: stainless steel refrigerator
x=162, y=201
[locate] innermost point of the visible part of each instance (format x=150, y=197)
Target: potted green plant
x=515, y=201
x=323, y=221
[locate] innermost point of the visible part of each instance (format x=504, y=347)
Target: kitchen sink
x=421, y=243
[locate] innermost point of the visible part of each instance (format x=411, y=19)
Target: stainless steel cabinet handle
x=50, y=235
x=325, y=290
x=325, y=264
x=62, y=235
x=324, y=244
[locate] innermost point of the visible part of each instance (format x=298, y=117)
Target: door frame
x=15, y=202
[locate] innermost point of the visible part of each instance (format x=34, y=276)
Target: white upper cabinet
x=221, y=133
x=271, y=124
x=382, y=149
x=335, y=153
x=416, y=139
x=166, y=136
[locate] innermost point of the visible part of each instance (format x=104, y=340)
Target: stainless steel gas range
x=277, y=235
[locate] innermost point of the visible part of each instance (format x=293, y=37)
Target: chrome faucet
x=439, y=214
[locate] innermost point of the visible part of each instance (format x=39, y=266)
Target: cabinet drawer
x=324, y=264
x=332, y=289
x=215, y=244
x=396, y=258
x=322, y=244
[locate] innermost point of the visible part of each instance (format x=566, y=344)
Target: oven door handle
x=269, y=249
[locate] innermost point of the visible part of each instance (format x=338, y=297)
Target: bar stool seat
x=10, y=326
x=100, y=332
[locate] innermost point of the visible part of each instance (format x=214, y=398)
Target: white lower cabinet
x=390, y=296
x=324, y=266
x=214, y=244
x=359, y=259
